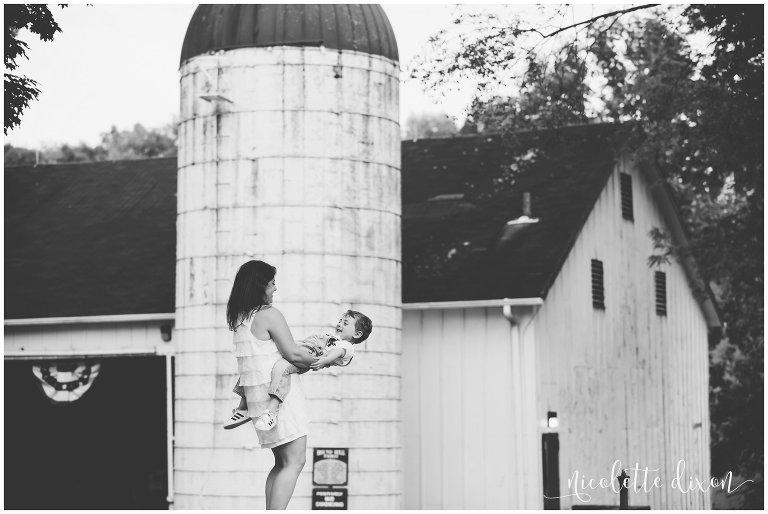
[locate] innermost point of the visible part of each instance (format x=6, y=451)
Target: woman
x=261, y=337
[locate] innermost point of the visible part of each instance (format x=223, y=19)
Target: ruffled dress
x=255, y=358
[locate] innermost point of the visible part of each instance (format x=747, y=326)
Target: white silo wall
x=302, y=170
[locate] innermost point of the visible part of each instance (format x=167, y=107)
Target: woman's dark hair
x=248, y=291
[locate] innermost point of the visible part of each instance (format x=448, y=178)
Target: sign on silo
x=326, y=498
x=330, y=466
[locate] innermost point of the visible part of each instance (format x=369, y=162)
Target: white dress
x=255, y=358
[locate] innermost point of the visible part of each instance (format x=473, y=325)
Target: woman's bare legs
x=292, y=457
x=272, y=473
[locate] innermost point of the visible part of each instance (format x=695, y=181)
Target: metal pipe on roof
x=527, y=204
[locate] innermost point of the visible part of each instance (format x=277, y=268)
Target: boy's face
x=345, y=328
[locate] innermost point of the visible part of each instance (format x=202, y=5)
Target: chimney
x=527, y=204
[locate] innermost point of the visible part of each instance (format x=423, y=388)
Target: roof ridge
x=588, y=126
x=85, y=163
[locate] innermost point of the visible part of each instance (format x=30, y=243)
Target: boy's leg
x=280, y=385
x=240, y=391
x=240, y=414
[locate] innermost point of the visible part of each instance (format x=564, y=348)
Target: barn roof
x=99, y=238
x=90, y=239
x=460, y=193
x=362, y=28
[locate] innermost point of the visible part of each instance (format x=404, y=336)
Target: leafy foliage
x=427, y=125
x=20, y=90
x=138, y=143
x=697, y=113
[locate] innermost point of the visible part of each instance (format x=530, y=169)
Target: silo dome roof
x=363, y=28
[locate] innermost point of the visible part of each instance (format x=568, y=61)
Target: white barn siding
x=626, y=383
x=61, y=340
x=468, y=427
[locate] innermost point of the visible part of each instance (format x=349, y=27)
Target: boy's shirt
x=330, y=341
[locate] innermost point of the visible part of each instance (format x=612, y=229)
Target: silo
x=289, y=152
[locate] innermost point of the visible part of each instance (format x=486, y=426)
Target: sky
x=118, y=65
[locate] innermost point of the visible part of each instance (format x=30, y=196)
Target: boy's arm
x=328, y=358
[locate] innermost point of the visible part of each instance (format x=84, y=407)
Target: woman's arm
x=281, y=335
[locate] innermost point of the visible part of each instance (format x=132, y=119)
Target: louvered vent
x=626, y=196
x=661, y=293
x=598, y=291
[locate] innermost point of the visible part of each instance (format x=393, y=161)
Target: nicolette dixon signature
x=645, y=480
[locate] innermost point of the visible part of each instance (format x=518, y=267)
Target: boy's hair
x=362, y=324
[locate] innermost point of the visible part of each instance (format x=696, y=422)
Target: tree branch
x=592, y=20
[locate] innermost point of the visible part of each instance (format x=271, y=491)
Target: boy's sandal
x=265, y=421
x=238, y=418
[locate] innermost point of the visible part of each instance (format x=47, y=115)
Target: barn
x=531, y=341
x=506, y=327
x=537, y=341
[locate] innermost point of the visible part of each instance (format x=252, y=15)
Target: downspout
x=169, y=424
x=514, y=318
x=507, y=311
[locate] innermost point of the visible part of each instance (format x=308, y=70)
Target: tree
x=138, y=143
x=15, y=156
x=427, y=125
x=20, y=90
x=697, y=113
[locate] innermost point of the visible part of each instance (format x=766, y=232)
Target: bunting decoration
x=65, y=382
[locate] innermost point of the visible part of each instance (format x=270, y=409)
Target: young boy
x=332, y=349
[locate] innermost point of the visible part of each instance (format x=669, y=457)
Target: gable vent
x=626, y=196
x=598, y=291
x=661, y=293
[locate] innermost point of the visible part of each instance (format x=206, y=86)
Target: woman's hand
x=321, y=362
x=329, y=358
x=304, y=361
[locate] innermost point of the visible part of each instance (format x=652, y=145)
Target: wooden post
x=623, y=490
x=550, y=449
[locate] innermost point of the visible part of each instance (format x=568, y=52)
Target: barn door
x=105, y=450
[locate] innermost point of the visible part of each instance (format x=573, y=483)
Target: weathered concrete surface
x=300, y=168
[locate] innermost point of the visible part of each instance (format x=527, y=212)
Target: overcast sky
x=118, y=65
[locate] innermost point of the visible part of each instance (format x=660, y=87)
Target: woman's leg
x=272, y=473
x=293, y=456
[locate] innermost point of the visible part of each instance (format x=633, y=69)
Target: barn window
x=661, y=293
x=626, y=196
x=598, y=291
